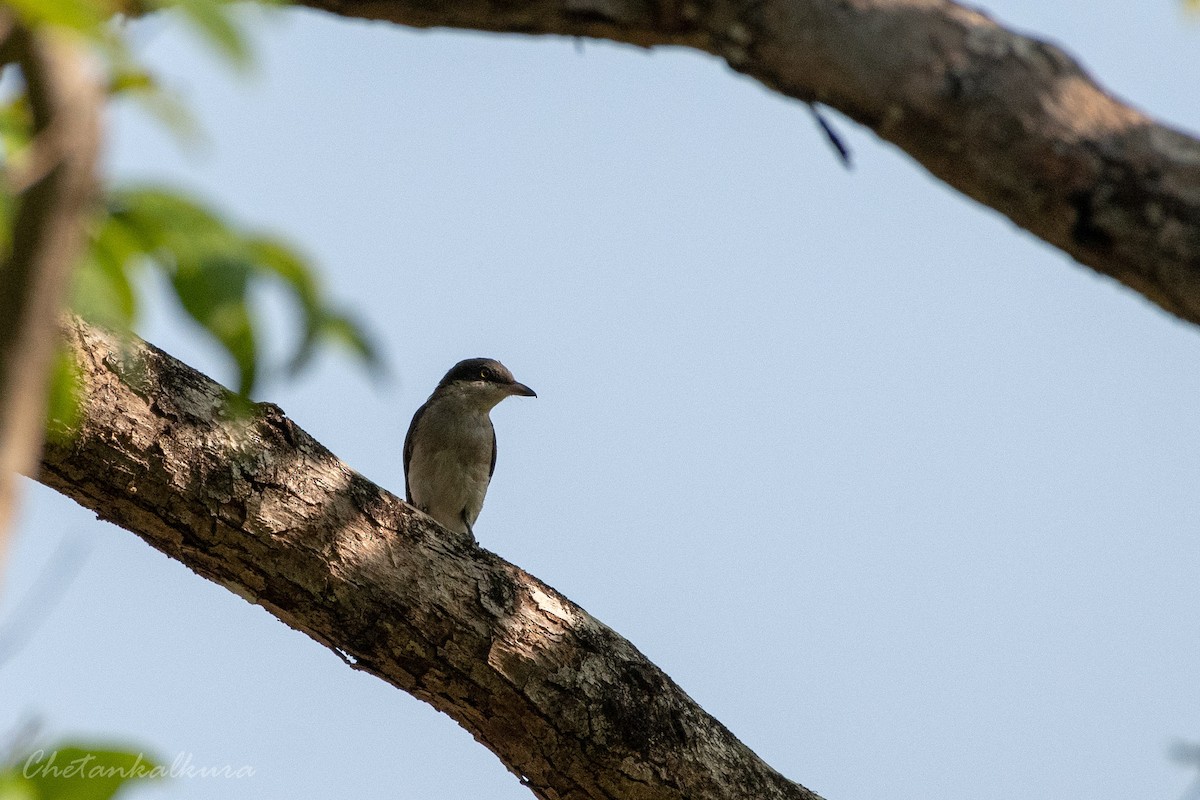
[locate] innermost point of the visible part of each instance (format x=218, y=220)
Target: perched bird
x=450, y=449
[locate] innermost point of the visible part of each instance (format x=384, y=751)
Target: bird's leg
x=467, y=522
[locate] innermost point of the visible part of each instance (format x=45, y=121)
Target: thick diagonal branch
x=1008, y=120
x=257, y=505
x=56, y=185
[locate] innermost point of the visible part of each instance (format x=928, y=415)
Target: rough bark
x=254, y=503
x=1010, y=121
x=55, y=185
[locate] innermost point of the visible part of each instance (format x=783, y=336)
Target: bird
x=450, y=448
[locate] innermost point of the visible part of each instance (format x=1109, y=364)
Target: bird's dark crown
x=488, y=370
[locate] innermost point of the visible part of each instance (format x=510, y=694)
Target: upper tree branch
x=256, y=504
x=55, y=185
x=1008, y=120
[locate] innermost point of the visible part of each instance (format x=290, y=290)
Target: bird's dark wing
x=492, y=468
x=408, y=447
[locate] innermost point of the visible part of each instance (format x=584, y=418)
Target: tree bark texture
x=1008, y=120
x=55, y=185
x=252, y=502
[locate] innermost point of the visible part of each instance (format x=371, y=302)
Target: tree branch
x=56, y=185
x=1010, y=121
x=255, y=504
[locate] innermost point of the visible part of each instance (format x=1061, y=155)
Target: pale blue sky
x=899, y=494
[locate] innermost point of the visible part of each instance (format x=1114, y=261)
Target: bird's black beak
x=521, y=390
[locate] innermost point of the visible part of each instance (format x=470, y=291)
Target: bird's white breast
x=450, y=466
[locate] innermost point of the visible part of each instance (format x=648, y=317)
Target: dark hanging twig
x=831, y=135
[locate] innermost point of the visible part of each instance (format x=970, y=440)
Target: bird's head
x=483, y=381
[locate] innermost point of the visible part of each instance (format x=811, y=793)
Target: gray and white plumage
x=450, y=449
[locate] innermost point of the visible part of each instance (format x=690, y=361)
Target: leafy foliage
x=213, y=267
x=84, y=16
x=73, y=771
x=213, y=20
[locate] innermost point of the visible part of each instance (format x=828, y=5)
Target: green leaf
x=75, y=772
x=129, y=78
x=321, y=323
x=213, y=291
x=169, y=110
x=85, y=16
x=214, y=21
x=8, y=212
x=212, y=267
x=285, y=263
x=168, y=221
x=277, y=259
x=13, y=786
x=344, y=330
x=211, y=264
x=65, y=396
x=101, y=290
x=16, y=122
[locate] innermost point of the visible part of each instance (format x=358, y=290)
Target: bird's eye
x=484, y=374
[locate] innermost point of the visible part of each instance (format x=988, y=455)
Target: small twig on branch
x=831, y=135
